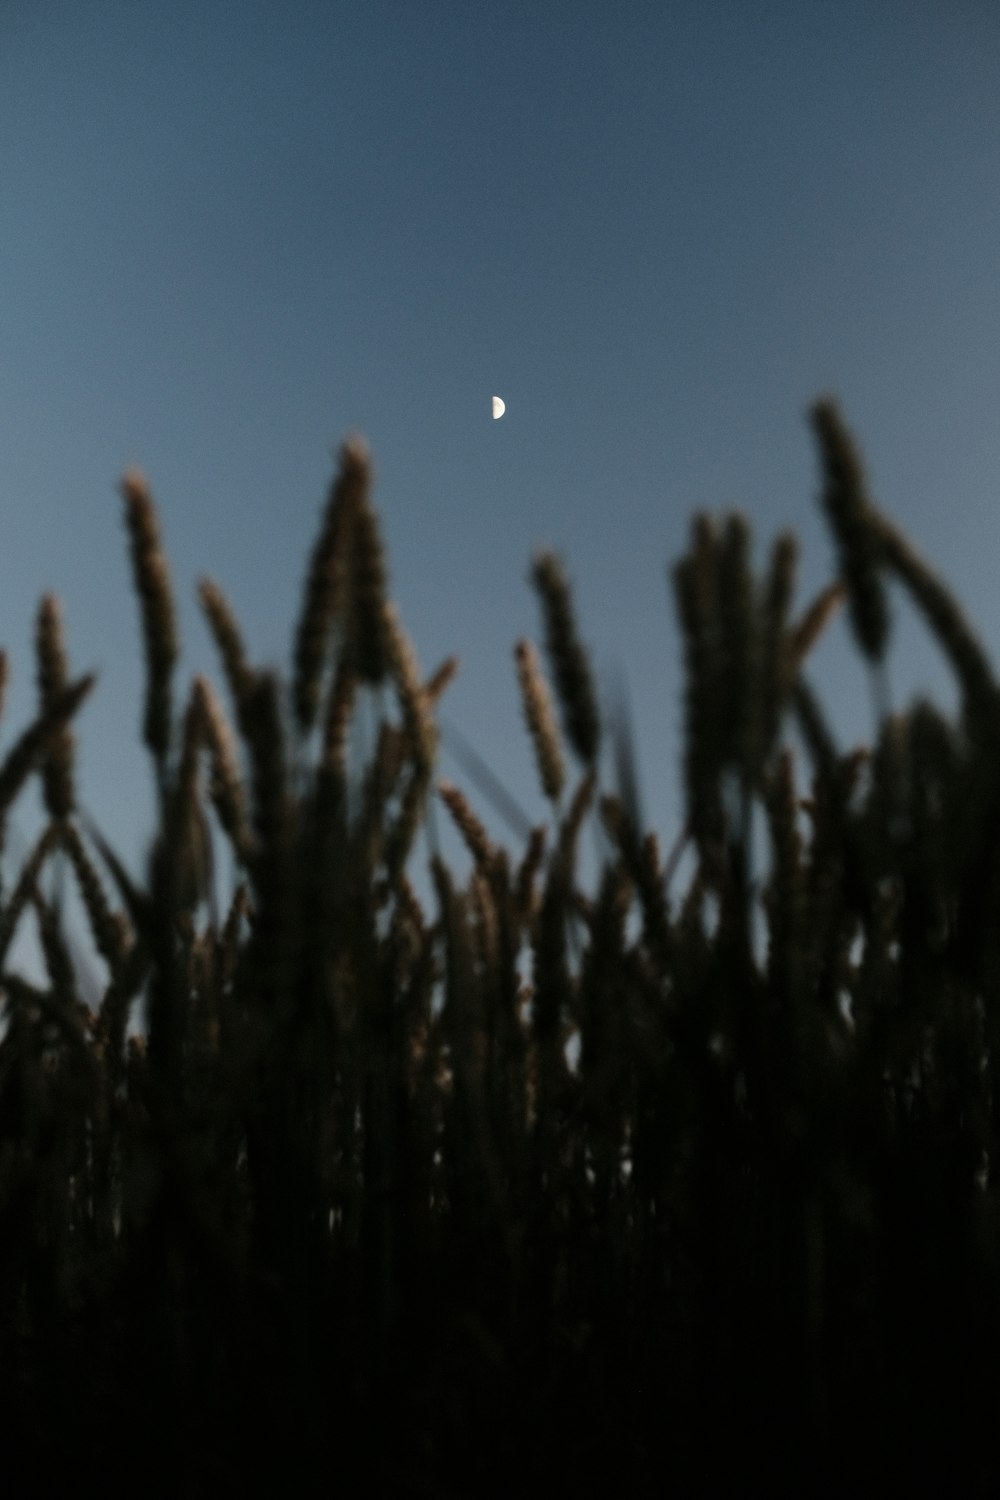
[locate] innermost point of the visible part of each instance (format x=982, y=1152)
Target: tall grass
x=348, y=1208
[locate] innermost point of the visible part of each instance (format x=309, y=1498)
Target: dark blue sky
x=232, y=232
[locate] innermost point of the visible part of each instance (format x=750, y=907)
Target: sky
x=233, y=233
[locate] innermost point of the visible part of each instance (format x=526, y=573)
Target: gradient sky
x=230, y=233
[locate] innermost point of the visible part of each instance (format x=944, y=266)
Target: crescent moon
x=499, y=407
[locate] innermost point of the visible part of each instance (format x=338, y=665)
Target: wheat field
x=524, y=1189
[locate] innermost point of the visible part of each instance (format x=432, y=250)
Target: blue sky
x=233, y=232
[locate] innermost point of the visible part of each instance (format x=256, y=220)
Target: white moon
x=499, y=407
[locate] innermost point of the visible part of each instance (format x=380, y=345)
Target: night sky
x=231, y=233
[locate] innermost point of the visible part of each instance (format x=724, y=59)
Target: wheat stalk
x=541, y=720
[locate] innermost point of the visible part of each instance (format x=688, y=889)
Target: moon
x=499, y=407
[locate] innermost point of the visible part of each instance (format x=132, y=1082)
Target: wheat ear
x=229, y=639
x=368, y=591
x=851, y=513
x=368, y=833
x=196, y=859
x=275, y=876
x=740, y=622
x=568, y=659
x=784, y=895
x=325, y=592
x=271, y=801
x=569, y=832
x=413, y=700
x=525, y=896
x=400, y=837
x=439, y=681
x=541, y=720
x=227, y=789
x=53, y=674
x=109, y=928
x=152, y=580
x=642, y=863
x=696, y=584
x=23, y=756
x=942, y=610
x=776, y=664
x=476, y=838
x=815, y=620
